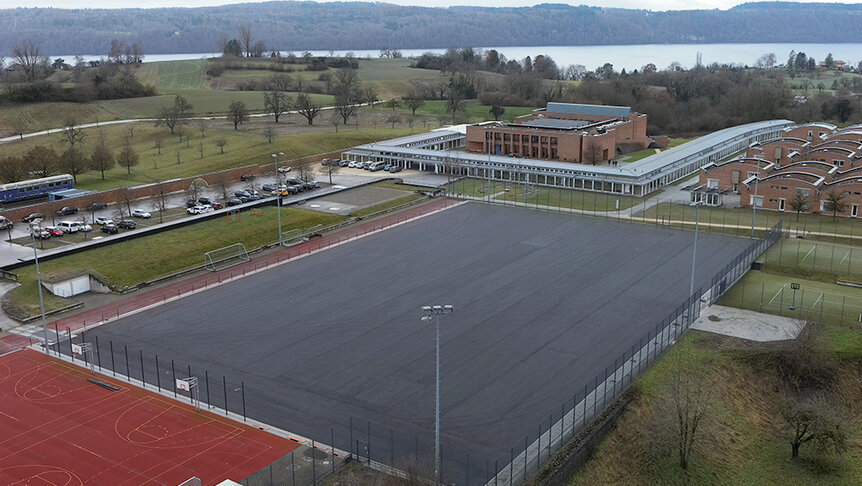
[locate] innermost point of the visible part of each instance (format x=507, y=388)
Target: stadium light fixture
x=433, y=313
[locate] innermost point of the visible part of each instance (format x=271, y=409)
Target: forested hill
x=297, y=26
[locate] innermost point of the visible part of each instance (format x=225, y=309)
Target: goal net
x=292, y=237
x=228, y=256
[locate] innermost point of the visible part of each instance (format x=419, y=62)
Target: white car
x=85, y=227
x=284, y=169
x=353, y=163
x=140, y=213
x=103, y=221
x=199, y=209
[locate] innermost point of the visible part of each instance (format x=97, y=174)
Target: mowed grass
x=204, y=102
x=167, y=252
x=544, y=196
x=474, y=111
x=42, y=116
x=170, y=76
x=815, y=256
x=744, y=440
x=738, y=221
x=815, y=300
x=244, y=147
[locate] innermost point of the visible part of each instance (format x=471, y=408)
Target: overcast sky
x=648, y=4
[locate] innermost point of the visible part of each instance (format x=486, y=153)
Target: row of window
x=509, y=137
x=49, y=185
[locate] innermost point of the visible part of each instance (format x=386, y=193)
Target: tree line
x=363, y=25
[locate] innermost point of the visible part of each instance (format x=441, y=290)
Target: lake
x=629, y=57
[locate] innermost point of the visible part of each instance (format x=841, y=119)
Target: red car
x=54, y=231
x=216, y=206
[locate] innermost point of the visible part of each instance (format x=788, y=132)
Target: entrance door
x=854, y=210
x=781, y=204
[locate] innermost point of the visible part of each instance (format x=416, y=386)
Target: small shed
x=67, y=284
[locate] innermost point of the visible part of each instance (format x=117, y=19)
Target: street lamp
x=278, y=194
x=33, y=229
x=697, y=206
x=433, y=312
x=754, y=203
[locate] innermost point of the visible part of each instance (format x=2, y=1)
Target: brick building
x=564, y=132
x=812, y=161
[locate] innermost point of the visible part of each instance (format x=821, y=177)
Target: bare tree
x=220, y=142
x=306, y=107
x=268, y=133
x=128, y=158
x=393, y=119
x=393, y=103
x=167, y=117
x=202, y=126
x=305, y=171
x=246, y=38
x=691, y=386
x=331, y=168
x=370, y=96
x=28, y=55
x=126, y=199
x=834, y=203
x=335, y=119
x=237, y=113
x=12, y=169
x=73, y=162
x=159, y=144
x=72, y=133
x=276, y=103
x=42, y=160
x=221, y=181
x=281, y=82
x=102, y=158
x=799, y=203
x=414, y=101
x=816, y=421
x=160, y=204
x=19, y=125
x=592, y=153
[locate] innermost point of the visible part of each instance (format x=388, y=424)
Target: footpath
x=140, y=301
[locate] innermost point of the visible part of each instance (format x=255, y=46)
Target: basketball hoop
x=85, y=350
x=190, y=385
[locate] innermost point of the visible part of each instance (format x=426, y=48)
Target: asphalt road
x=544, y=302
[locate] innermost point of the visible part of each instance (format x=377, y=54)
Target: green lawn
x=815, y=256
x=167, y=252
x=386, y=205
x=204, y=102
x=475, y=111
x=738, y=220
x=244, y=147
x=815, y=300
x=743, y=438
x=544, y=196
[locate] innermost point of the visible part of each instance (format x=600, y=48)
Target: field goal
x=292, y=237
x=228, y=256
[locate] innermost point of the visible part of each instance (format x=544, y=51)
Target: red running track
x=145, y=298
x=58, y=429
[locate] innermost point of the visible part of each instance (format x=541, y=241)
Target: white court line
x=776, y=294
x=845, y=257
x=809, y=252
x=816, y=301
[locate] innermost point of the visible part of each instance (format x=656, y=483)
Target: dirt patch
x=719, y=342
x=714, y=318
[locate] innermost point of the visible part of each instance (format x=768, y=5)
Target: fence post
x=242, y=387
x=224, y=386
x=143, y=376
x=158, y=375
x=174, y=374
x=350, y=425
x=128, y=373
x=207, y=380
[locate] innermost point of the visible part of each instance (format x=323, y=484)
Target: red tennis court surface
x=58, y=429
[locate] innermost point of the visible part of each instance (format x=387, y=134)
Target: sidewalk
x=143, y=300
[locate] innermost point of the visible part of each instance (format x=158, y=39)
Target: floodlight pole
x=39, y=284
x=754, y=203
x=434, y=313
x=278, y=195
x=694, y=251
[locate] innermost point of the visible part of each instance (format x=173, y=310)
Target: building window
x=803, y=192
x=507, y=137
x=516, y=138
x=534, y=139
x=756, y=201
x=553, y=140
x=712, y=183
x=544, y=139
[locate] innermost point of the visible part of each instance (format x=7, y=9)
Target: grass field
x=744, y=439
x=815, y=256
x=641, y=154
x=170, y=76
x=167, y=252
x=815, y=300
x=738, y=220
x=544, y=196
x=204, y=102
x=244, y=147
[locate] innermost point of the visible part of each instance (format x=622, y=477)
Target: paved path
x=142, y=300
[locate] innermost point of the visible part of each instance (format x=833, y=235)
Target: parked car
x=102, y=221
x=216, y=205
x=294, y=189
x=268, y=187
x=292, y=181
x=6, y=223
x=233, y=202
x=247, y=177
x=367, y=165
x=284, y=169
x=190, y=203
x=249, y=198
x=395, y=168
x=67, y=210
x=310, y=185
x=127, y=224
x=54, y=231
x=197, y=209
x=387, y=167
x=32, y=217
x=324, y=162
x=204, y=200
x=69, y=226
x=40, y=234
x=111, y=229
x=344, y=163
x=140, y=213
x=96, y=205
x=85, y=227
x=241, y=193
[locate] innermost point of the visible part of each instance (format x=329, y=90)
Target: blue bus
x=18, y=191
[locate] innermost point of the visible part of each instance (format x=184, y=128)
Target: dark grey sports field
x=543, y=301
